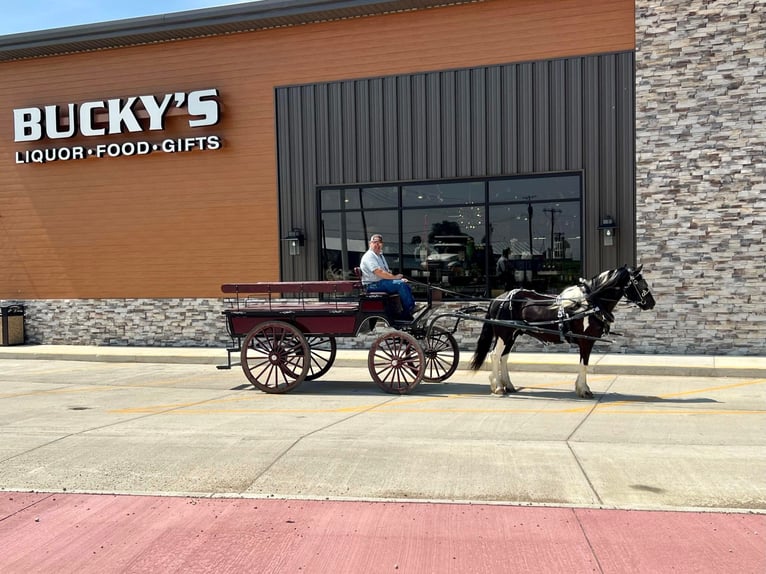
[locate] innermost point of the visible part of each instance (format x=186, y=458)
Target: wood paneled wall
x=179, y=225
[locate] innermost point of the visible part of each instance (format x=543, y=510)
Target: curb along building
x=145, y=162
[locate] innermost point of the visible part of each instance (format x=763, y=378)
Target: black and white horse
x=580, y=315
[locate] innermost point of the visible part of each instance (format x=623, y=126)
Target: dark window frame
x=489, y=258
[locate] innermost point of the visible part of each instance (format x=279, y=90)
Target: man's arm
x=381, y=273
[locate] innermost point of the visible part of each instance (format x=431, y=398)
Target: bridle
x=641, y=294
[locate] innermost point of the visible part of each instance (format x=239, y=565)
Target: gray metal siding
x=531, y=117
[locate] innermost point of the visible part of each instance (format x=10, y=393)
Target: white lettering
x=213, y=142
x=118, y=149
x=208, y=108
x=86, y=119
x=26, y=124
x=201, y=105
x=53, y=119
x=156, y=111
x=122, y=113
x=113, y=150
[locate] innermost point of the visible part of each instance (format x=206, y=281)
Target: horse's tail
x=483, y=345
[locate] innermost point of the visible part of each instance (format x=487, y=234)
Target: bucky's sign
x=136, y=114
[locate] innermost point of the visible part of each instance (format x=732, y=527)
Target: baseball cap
x=376, y=237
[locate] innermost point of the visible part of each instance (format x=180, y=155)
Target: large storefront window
x=452, y=234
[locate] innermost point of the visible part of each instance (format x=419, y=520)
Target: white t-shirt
x=369, y=263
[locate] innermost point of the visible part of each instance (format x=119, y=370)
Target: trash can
x=12, y=331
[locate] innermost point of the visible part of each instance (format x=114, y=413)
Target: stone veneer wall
x=200, y=323
x=701, y=175
x=127, y=322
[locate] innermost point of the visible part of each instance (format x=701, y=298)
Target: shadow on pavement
x=369, y=388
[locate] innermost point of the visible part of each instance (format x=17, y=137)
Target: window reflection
x=429, y=195
x=344, y=238
x=453, y=233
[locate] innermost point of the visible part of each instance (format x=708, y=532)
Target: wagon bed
x=285, y=333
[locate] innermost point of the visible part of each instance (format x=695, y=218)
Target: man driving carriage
x=377, y=276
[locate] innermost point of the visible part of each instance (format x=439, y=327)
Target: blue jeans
x=395, y=286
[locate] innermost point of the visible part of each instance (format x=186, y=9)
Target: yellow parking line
x=54, y=392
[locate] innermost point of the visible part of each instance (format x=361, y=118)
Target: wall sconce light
x=608, y=229
x=295, y=240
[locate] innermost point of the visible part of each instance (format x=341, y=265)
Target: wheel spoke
x=322, y=355
x=274, y=357
x=396, y=362
x=441, y=355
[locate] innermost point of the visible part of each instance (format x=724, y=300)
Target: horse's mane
x=606, y=281
x=580, y=295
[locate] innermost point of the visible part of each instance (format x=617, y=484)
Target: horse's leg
x=581, y=384
x=505, y=376
x=496, y=383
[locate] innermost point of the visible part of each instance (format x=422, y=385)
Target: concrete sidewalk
x=134, y=466
x=604, y=364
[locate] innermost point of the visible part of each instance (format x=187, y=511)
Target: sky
x=17, y=16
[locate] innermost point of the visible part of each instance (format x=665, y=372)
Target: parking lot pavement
x=689, y=449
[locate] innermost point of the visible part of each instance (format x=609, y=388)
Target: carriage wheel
x=441, y=355
x=273, y=357
x=323, y=349
x=396, y=362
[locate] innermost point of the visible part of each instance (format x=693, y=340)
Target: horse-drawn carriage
x=285, y=332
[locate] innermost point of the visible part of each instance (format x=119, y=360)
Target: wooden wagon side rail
x=334, y=290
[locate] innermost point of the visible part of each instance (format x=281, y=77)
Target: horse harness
x=565, y=316
x=587, y=307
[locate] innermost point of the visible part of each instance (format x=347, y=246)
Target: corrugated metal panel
x=335, y=132
x=463, y=143
x=419, y=128
x=574, y=108
x=534, y=117
x=558, y=94
x=510, y=135
x=626, y=147
x=541, y=116
x=377, y=147
x=591, y=144
x=390, y=129
x=494, y=148
x=525, y=117
x=607, y=147
x=404, y=124
x=363, y=139
x=349, y=132
x=434, y=140
x=309, y=140
x=449, y=152
x=479, y=121
x=323, y=136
